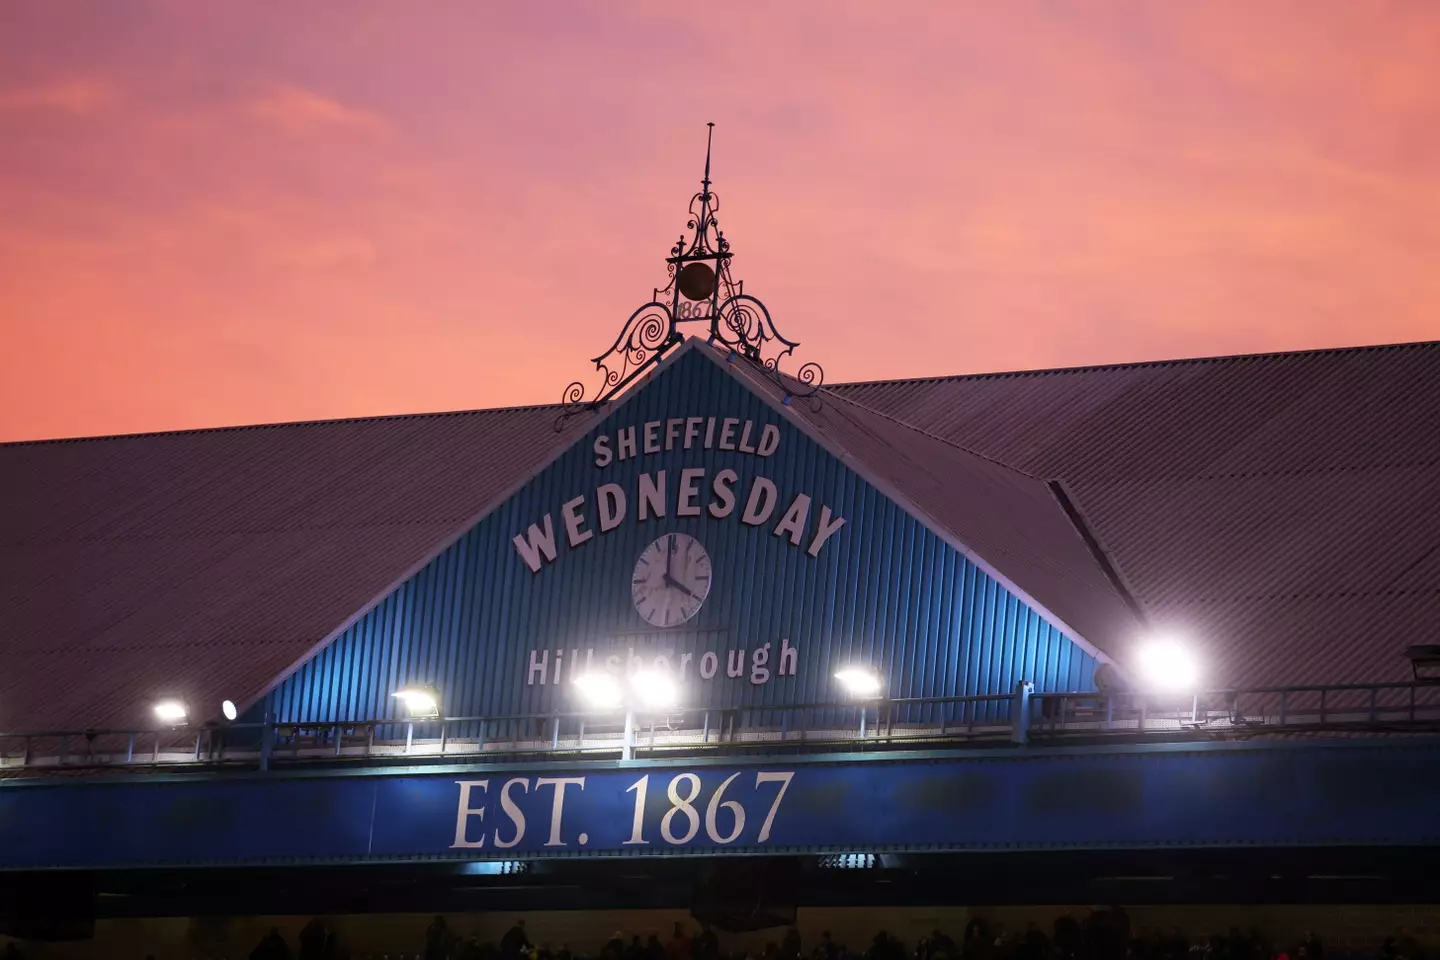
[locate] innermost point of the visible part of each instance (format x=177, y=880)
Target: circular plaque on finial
x=697, y=281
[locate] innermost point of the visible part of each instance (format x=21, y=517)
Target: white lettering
x=788, y=655
x=512, y=811
x=745, y=445
x=556, y=808
x=540, y=667
x=536, y=544
x=672, y=432
x=575, y=533
x=603, y=455
x=610, y=499
x=692, y=429
x=769, y=440
x=709, y=433
x=709, y=663
x=727, y=433
x=724, y=502
x=735, y=663
x=685, y=505
x=465, y=812
x=625, y=441
x=652, y=436
x=825, y=531
x=794, y=520
x=759, y=672
x=761, y=502
x=782, y=778
x=652, y=496
x=685, y=659
x=555, y=677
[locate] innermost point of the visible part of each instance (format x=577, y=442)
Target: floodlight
x=422, y=702
x=171, y=711
x=655, y=689
x=228, y=709
x=859, y=681
x=600, y=690
x=1167, y=665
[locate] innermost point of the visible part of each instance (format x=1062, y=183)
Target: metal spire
x=700, y=290
x=709, y=135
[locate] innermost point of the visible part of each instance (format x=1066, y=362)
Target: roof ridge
x=926, y=433
x=235, y=428
x=1133, y=364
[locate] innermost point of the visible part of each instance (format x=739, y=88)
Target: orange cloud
x=913, y=189
x=76, y=97
x=302, y=111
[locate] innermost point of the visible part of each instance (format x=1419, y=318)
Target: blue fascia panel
x=1354, y=793
x=883, y=591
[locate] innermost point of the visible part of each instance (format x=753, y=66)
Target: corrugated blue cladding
x=883, y=591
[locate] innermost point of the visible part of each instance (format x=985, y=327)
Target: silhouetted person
x=654, y=949
x=1065, y=935
x=515, y=941
x=1311, y=947
x=1034, y=945
x=437, y=939
x=790, y=945
x=314, y=940
x=678, y=947
x=636, y=950
x=705, y=945
x=978, y=942
x=272, y=946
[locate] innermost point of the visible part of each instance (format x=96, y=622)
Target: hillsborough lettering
x=565, y=665
x=522, y=805
x=661, y=493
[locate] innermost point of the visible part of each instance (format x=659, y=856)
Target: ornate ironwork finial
x=709, y=136
x=700, y=290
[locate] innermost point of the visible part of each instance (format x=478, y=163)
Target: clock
x=671, y=581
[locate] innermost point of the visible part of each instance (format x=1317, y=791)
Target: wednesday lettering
x=688, y=492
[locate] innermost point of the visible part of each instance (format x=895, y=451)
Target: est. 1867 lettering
x=722, y=821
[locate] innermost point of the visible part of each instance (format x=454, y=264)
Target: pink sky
x=246, y=212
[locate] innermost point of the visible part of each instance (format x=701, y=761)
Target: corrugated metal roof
x=1005, y=519
x=207, y=563
x=1279, y=510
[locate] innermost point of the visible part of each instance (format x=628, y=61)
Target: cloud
x=302, y=111
x=76, y=97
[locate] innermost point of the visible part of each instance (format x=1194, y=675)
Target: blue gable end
x=883, y=590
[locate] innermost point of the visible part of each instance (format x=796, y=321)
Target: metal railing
x=1021, y=717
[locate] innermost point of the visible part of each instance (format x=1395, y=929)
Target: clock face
x=671, y=581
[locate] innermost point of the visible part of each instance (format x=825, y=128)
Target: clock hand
x=672, y=582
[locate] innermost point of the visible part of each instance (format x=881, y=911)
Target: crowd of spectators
x=1101, y=935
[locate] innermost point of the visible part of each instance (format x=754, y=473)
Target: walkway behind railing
x=1022, y=717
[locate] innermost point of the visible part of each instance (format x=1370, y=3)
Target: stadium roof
x=1282, y=511
x=1278, y=510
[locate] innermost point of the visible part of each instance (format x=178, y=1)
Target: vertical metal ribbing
x=885, y=591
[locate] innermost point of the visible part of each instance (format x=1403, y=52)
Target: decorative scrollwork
x=701, y=294
x=745, y=326
x=647, y=335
